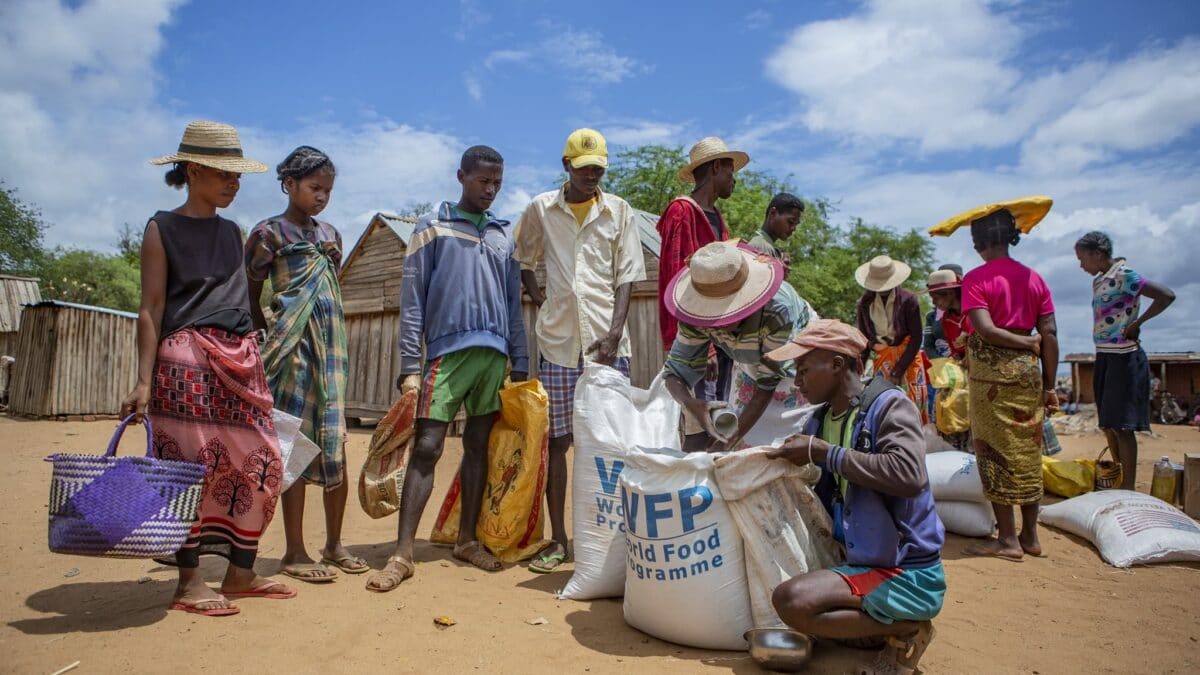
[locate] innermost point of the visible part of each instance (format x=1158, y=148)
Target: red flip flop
x=215, y=611
x=263, y=592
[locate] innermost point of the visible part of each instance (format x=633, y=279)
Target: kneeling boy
x=869, y=442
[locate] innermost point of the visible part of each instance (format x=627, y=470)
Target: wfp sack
x=686, y=577
x=612, y=419
x=511, y=517
x=785, y=529
x=953, y=476
x=969, y=519
x=1128, y=528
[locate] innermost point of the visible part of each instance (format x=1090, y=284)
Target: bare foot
x=1030, y=545
x=397, y=570
x=994, y=548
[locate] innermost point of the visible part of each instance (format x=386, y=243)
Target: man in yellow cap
x=593, y=255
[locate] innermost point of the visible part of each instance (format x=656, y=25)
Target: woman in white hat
x=732, y=298
x=200, y=376
x=890, y=317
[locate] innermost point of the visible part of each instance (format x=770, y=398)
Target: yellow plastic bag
x=951, y=409
x=1068, y=479
x=945, y=373
x=511, y=519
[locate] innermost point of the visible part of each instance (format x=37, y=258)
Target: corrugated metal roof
x=1154, y=357
x=648, y=231
x=401, y=225
x=89, y=308
x=15, y=292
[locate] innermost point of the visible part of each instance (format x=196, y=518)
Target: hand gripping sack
x=785, y=528
x=686, y=576
x=511, y=517
x=1128, y=528
x=122, y=507
x=382, y=476
x=954, y=476
x=613, y=419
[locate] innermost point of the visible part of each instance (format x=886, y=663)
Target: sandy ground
x=1069, y=612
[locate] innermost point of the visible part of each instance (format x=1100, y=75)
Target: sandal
x=393, y=577
x=195, y=608
x=901, y=656
x=349, y=564
x=272, y=590
x=544, y=563
x=477, y=554
x=305, y=572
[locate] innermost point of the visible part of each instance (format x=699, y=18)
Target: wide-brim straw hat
x=706, y=150
x=723, y=283
x=942, y=280
x=1026, y=211
x=215, y=145
x=881, y=274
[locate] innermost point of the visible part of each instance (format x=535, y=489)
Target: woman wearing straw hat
x=1006, y=301
x=691, y=222
x=728, y=297
x=199, y=371
x=890, y=317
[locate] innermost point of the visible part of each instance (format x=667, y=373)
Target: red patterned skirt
x=210, y=404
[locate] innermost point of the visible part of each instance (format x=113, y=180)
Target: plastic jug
x=1163, y=484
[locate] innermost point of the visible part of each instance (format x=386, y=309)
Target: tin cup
x=725, y=421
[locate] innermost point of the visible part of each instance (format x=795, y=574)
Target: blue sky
x=902, y=112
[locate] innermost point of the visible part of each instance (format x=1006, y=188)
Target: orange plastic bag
x=511, y=519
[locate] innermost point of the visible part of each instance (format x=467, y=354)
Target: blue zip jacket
x=461, y=289
x=886, y=518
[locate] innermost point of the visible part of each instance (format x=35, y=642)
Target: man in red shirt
x=688, y=224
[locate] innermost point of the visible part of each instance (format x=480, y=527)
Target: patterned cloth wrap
x=913, y=382
x=306, y=356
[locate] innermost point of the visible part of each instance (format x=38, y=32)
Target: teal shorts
x=894, y=594
x=470, y=377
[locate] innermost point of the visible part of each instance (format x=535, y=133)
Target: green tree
x=21, y=233
x=824, y=256
x=129, y=243
x=91, y=278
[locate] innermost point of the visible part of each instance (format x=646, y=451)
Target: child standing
x=199, y=370
x=305, y=355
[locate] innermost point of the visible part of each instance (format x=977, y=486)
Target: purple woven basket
x=122, y=507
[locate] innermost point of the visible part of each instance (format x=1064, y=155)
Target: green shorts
x=470, y=377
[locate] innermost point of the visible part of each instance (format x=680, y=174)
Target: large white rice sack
x=954, y=476
x=686, y=575
x=612, y=419
x=785, y=528
x=969, y=519
x=1128, y=528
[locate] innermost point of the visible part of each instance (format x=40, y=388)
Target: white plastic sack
x=1128, y=528
x=785, y=529
x=686, y=575
x=969, y=519
x=612, y=419
x=953, y=476
x=296, y=449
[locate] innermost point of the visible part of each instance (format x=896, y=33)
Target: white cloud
x=757, y=19
x=504, y=56
x=641, y=132
x=474, y=87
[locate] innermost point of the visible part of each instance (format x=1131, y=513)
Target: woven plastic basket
x=122, y=507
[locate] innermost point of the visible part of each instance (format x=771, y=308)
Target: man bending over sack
x=868, y=440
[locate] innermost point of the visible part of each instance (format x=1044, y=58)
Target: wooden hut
x=1178, y=373
x=15, y=293
x=370, y=280
x=73, y=360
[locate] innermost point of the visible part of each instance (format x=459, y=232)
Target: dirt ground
x=1069, y=612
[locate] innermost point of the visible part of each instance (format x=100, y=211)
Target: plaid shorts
x=559, y=383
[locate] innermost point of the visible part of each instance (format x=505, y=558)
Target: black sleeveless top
x=206, y=282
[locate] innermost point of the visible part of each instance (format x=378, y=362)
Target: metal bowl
x=779, y=649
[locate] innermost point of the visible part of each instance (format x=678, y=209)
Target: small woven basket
x=1108, y=471
x=122, y=507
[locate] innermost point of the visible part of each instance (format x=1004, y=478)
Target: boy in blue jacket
x=869, y=442
x=461, y=297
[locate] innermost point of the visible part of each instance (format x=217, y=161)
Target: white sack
x=969, y=519
x=297, y=450
x=785, y=415
x=686, y=575
x=1128, y=528
x=612, y=419
x=934, y=441
x=785, y=529
x=954, y=476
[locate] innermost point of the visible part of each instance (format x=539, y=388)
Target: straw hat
x=722, y=284
x=706, y=150
x=214, y=145
x=942, y=280
x=1026, y=211
x=881, y=274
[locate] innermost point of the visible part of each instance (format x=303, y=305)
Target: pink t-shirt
x=1012, y=293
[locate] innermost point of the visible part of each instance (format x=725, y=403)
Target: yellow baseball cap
x=586, y=147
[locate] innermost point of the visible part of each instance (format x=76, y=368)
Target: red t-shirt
x=953, y=326
x=1013, y=294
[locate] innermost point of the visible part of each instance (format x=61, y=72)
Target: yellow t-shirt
x=581, y=210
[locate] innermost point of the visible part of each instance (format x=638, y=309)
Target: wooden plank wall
x=373, y=363
x=73, y=362
x=372, y=282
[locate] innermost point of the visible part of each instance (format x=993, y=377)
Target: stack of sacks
x=958, y=494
